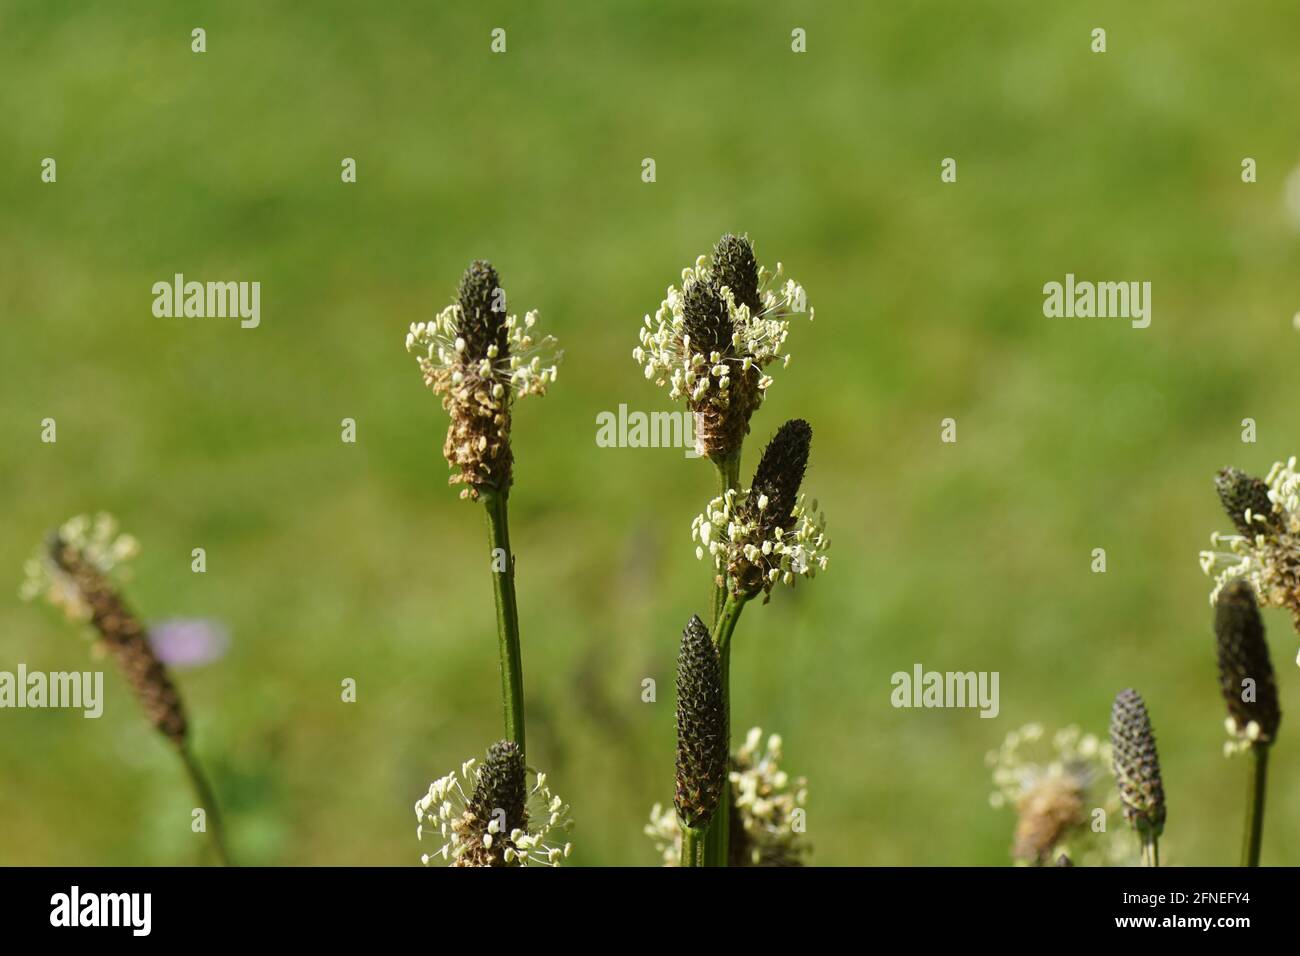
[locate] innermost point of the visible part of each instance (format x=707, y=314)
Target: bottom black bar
x=338, y=905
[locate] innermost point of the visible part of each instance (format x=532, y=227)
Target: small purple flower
x=183, y=643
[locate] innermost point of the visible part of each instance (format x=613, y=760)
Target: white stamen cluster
x=1240, y=739
x=725, y=533
x=101, y=545
x=1270, y=560
x=1024, y=759
x=769, y=803
x=1058, y=781
x=492, y=380
x=444, y=810
x=757, y=341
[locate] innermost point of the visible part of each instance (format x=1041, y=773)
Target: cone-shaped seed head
x=502, y=788
x=735, y=267
x=483, y=312
x=705, y=317
x=776, y=483
x=1137, y=765
x=701, y=727
x=780, y=473
x=1243, y=658
x=126, y=639
x=1240, y=492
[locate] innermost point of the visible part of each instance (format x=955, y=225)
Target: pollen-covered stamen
x=1137, y=764
x=701, y=727
x=1245, y=669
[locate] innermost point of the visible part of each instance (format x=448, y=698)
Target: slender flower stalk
x=1249, y=689
x=71, y=571
x=503, y=590
x=757, y=538
x=479, y=359
x=1137, y=771
x=701, y=739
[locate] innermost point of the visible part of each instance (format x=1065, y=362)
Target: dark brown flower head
x=701, y=727
x=780, y=473
x=1239, y=493
x=706, y=319
x=736, y=268
x=124, y=636
x=1245, y=670
x=498, y=805
x=771, y=501
x=482, y=313
x=1137, y=764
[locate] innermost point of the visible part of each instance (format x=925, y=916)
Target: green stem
x=692, y=846
x=718, y=837
x=503, y=586
x=207, y=800
x=1151, y=850
x=728, y=478
x=1256, y=781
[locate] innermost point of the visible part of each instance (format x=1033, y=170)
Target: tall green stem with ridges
x=503, y=586
x=1151, y=850
x=693, y=846
x=1256, y=782
x=718, y=837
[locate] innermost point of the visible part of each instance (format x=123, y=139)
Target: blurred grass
x=330, y=560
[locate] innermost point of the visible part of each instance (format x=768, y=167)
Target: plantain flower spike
x=71, y=570
x=701, y=727
x=1265, y=549
x=479, y=358
x=1137, y=765
x=768, y=811
x=490, y=814
x=766, y=534
x=1245, y=670
x=712, y=340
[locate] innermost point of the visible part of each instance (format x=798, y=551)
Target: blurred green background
x=329, y=560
